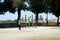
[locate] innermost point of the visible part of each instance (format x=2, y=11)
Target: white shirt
x=19, y=22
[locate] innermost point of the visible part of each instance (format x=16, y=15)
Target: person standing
x=30, y=21
x=19, y=25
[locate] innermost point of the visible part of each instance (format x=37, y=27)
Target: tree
x=11, y=5
x=47, y=4
x=36, y=6
x=20, y=5
x=6, y=6
x=55, y=7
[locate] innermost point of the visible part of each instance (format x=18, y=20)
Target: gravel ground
x=28, y=32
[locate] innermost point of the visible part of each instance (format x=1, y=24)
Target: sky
x=1, y=0
x=10, y=16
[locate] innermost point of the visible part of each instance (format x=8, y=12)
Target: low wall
x=11, y=25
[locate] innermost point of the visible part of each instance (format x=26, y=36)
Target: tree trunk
x=32, y=20
x=36, y=19
x=47, y=19
x=19, y=18
x=25, y=21
x=58, y=21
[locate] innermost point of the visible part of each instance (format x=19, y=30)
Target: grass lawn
x=41, y=38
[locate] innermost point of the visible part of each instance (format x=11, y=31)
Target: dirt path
x=25, y=33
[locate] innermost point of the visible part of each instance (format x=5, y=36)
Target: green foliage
x=36, y=6
x=11, y=5
x=55, y=7
x=18, y=3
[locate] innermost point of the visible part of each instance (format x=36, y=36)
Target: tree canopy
x=55, y=7
x=36, y=6
x=18, y=3
x=10, y=5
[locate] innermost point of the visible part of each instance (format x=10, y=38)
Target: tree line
x=36, y=6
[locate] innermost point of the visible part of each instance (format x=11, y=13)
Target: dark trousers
x=19, y=27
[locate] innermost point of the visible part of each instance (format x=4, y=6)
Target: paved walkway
x=28, y=32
